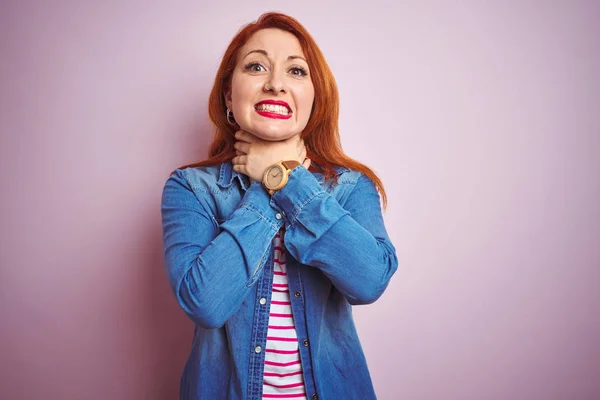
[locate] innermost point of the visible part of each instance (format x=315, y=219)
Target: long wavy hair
x=321, y=135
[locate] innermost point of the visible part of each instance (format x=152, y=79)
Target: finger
x=244, y=147
x=239, y=160
x=240, y=169
x=238, y=153
x=244, y=136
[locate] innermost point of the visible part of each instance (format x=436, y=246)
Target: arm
x=349, y=244
x=211, y=271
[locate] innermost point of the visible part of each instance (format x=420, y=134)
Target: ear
x=227, y=95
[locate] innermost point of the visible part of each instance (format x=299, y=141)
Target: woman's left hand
x=254, y=154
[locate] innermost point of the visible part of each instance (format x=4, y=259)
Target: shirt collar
x=321, y=177
x=227, y=175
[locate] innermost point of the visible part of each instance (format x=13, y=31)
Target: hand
x=254, y=155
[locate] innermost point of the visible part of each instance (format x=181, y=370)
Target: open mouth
x=274, y=109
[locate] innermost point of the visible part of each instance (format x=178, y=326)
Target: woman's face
x=271, y=92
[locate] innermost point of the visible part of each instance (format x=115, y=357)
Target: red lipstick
x=269, y=114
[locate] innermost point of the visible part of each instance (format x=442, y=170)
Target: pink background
x=483, y=121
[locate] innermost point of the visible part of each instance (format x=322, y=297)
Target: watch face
x=273, y=176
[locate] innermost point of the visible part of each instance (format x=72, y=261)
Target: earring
x=230, y=117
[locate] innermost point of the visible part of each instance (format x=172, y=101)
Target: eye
x=254, y=67
x=298, y=71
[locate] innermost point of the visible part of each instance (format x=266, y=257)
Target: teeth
x=273, y=108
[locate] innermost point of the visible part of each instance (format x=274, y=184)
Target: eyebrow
x=264, y=52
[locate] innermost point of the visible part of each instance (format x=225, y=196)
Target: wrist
x=276, y=175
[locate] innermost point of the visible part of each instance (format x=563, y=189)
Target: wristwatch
x=276, y=175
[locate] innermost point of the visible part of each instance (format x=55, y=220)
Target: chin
x=272, y=135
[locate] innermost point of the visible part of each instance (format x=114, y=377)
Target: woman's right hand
x=254, y=154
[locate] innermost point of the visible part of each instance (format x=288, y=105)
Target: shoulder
x=348, y=176
x=341, y=175
x=348, y=182
x=196, y=179
x=185, y=184
x=213, y=187
x=197, y=176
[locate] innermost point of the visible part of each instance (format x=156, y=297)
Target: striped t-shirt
x=283, y=377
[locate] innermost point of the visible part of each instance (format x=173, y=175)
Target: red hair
x=321, y=135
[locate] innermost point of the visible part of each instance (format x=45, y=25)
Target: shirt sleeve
x=348, y=244
x=211, y=268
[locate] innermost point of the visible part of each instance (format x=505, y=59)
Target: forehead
x=276, y=42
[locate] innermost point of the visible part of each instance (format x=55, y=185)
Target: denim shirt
x=218, y=230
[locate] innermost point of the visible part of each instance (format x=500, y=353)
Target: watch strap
x=291, y=164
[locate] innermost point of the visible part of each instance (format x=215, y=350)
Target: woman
x=270, y=240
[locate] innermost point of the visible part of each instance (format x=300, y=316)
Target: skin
x=270, y=66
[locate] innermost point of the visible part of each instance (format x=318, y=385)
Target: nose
x=275, y=83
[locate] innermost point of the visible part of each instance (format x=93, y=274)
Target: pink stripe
x=279, y=262
x=280, y=273
x=282, y=339
x=283, y=396
x=279, y=248
x=283, y=375
x=280, y=290
x=281, y=315
x=281, y=327
x=280, y=285
x=291, y=385
x=282, y=351
x=282, y=364
x=281, y=303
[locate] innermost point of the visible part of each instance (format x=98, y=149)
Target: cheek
x=239, y=91
x=244, y=94
x=306, y=102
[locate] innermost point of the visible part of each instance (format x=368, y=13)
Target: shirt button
x=305, y=342
x=315, y=397
x=297, y=294
x=263, y=301
x=278, y=215
x=257, y=349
